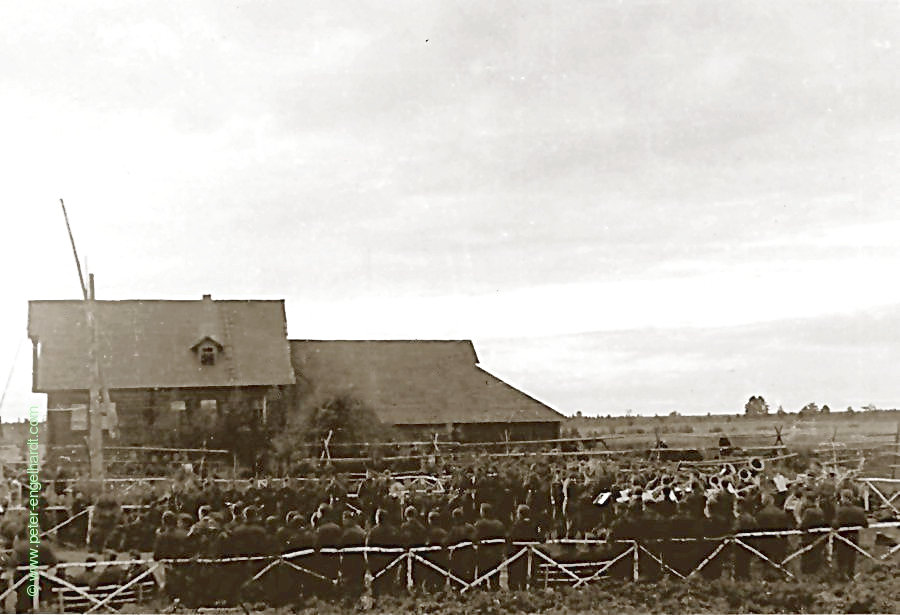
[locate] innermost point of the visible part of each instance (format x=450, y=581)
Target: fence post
x=36, y=598
x=409, y=570
x=895, y=459
x=530, y=566
x=635, y=572
x=90, y=525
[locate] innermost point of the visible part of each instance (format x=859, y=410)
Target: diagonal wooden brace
x=604, y=568
x=312, y=573
x=663, y=564
x=393, y=563
x=763, y=557
x=437, y=568
x=709, y=558
x=268, y=567
x=64, y=523
x=884, y=498
x=894, y=549
x=550, y=560
x=74, y=588
x=13, y=588
x=808, y=547
x=119, y=590
x=496, y=570
x=857, y=547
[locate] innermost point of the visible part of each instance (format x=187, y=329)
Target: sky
x=642, y=206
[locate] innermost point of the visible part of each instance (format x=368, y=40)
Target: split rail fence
x=543, y=565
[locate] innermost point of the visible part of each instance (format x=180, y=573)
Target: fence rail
x=542, y=564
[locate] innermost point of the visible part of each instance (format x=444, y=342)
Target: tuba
x=757, y=465
x=727, y=470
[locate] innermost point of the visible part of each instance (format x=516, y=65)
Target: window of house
x=110, y=418
x=207, y=355
x=207, y=404
x=178, y=406
x=259, y=408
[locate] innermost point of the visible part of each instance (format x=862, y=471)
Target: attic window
x=207, y=355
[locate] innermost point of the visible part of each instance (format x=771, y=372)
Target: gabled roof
x=415, y=382
x=208, y=338
x=147, y=344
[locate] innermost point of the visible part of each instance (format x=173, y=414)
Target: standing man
x=848, y=514
x=353, y=564
x=462, y=558
x=489, y=554
x=523, y=529
x=771, y=518
x=812, y=516
x=383, y=534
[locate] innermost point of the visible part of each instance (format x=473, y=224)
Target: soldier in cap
x=523, y=529
x=171, y=543
x=718, y=523
x=413, y=532
x=460, y=549
x=489, y=553
x=848, y=514
x=298, y=537
x=771, y=519
x=382, y=535
x=811, y=516
x=107, y=515
x=247, y=539
x=436, y=538
x=745, y=522
x=353, y=564
x=327, y=534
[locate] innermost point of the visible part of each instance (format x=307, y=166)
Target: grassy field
x=872, y=432
x=855, y=428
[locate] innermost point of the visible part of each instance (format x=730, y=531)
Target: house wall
x=497, y=432
x=146, y=416
x=425, y=432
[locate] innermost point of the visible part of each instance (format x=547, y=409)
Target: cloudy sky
x=642, y=205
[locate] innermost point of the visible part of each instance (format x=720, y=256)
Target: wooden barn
x=422, y=387
x=173, y=368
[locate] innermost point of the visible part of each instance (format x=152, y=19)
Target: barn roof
x=148, y=343
x=415, y=382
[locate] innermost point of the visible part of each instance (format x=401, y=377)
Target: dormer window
x=207, y=355
x=207, y=350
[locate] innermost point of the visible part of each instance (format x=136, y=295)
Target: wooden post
x=635, y=571
x=95, y=421
x=834, y=452
x=530, y=567
x=895, y=456
x=36, y=598
x=409, y=571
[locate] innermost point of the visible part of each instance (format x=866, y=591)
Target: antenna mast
x=95, y=418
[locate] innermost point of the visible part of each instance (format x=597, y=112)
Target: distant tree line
x=757, y=406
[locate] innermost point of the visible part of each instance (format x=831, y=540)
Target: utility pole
x=895, y=457
x=95, y=419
